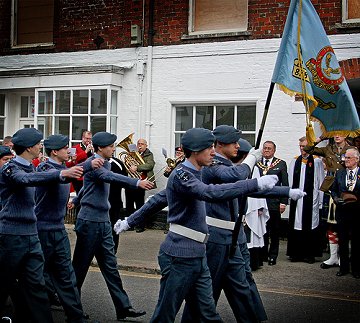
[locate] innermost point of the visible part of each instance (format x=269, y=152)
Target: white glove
x=296, y=194
x=254, y=156
x=121, y=226
x=267, y=182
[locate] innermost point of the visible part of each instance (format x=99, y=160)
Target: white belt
x=220, y=223
x=189, y=233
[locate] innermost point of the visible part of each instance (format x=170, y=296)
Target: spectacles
x=349, y=157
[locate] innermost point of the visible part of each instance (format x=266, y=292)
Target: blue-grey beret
x=103, y=139
x=226, y=134
x=245, y=146
x=27, y=137
x=56, y=142
x=197, y=139
x=5, y=151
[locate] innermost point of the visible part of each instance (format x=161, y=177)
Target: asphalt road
x=283, y=303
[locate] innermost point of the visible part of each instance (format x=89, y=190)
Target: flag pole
x=266, y=110
x=238, y=223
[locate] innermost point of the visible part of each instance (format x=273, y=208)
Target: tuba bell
x=130, y=158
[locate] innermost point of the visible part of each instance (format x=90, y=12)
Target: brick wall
x=79, y=22
x=351, y=68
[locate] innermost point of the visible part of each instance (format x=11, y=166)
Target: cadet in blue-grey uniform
x=93, y=228
x=188, y=276
x=227, y=273
x=21, y=256
x=50, y=209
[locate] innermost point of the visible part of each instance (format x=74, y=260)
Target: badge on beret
x=182, y=175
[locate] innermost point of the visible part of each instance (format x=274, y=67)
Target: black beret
x=197, y=139
x=226, y=134
x=56, y=142
x=245, y=146
x=5, y=151
x=27, y=137
x=103, y=139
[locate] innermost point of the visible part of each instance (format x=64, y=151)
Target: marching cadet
x=93, y=228
x=21, y=256
x=182, y=256
x=5, y=155
x=50, y=208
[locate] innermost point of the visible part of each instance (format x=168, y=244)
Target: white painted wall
x=237, y=70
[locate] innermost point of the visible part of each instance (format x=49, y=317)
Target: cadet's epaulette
x=216, y=162
x=7, y=168
x=44, y=167
x=181, y=174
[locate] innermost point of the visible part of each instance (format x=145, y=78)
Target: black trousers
x=135, y=199
x=271, y=248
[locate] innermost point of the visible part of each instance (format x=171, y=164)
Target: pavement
x=138, y=252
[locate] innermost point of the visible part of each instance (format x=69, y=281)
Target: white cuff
x=250, y=160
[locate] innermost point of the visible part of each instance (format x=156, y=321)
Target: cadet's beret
x=197, y=139
x=5, y=151
x=56, y=142
x=226, y=134
x=178, y=149
x=27, y=137
x=245, y=146
x=103, y=139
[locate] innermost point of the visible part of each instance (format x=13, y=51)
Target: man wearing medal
x=271, y=165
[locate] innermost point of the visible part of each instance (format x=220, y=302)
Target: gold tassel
x=310, y=135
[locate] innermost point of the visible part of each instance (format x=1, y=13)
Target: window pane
x=113, y=125
x=24, y=112
x=98, y=102
x=184, y=118
x=45, y=102
x=246, y=118
x=204, y=117
x=2, y=104
x=62, y=103
x=80, y=101
x=45, y=124
x=178, y=137
x=250, y=138
x=210, y=15
x=79, y=124
x=224, y=115
x=2, y=122
x=113, y=108
x=62, y=125
x=97, y=124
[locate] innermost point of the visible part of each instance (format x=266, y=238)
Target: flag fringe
x=330, y=134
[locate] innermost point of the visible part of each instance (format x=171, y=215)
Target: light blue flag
x=329, y=98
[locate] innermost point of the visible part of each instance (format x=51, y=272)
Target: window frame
x=3, y=117
x=344, y=9
x=14, y=29
x=108, y=113
x=216, y=104
x=191, y=23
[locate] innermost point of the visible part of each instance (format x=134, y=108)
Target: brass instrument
x=130, y=158
x=172, y=163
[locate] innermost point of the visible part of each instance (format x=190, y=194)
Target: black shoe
x=272, y=262
x=326, y=266
x=341, y=273
x=356, y=275
x=140, y=230
x=309, y=260
x=130, y=312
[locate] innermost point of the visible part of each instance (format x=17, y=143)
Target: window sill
x=347, y=25
x=215, y=35
x=32, y=46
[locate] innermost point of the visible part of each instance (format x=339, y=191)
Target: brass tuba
x=130, y=158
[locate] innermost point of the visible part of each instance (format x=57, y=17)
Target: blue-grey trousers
x=184, y=279
x=22, y=259
x=56, y=248
x=95, y=239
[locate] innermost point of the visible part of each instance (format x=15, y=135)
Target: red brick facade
x=78, y=22
x=351, y=68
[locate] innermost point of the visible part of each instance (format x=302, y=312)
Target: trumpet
x=130, y=158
